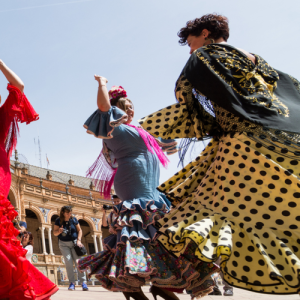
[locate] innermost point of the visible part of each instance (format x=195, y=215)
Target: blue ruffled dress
x=132, y=254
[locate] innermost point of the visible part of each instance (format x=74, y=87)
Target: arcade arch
x=33, y=224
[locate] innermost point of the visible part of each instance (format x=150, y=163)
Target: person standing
x=20, y=280
x=27, y=243
x=240, y=198
x=67, y=229
x=130, y=160
x=107, y=220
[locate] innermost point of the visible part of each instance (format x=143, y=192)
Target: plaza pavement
x=99, y=293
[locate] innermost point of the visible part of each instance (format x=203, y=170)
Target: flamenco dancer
x=20, y=280
x=240, y=198
x=130, y=159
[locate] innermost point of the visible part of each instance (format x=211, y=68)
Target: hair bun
x=117, y=92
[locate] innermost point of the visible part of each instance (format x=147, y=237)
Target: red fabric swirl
x=21, y=108
x=19, y=279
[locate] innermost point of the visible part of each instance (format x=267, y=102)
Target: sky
x=57, y=46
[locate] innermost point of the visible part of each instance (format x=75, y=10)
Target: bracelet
x=79, y=240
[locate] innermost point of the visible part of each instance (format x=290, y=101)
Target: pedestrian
x=69, y=233
x=27, y=243
x=107, y=220
x=130, y=160
x=239, y=198
x=15, y=269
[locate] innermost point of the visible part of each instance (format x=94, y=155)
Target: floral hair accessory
x=117, y=92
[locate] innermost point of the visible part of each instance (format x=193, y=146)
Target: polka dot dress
x=239, y=199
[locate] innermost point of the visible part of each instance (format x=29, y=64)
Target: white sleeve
x=29, y=253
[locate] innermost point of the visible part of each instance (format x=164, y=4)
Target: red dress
x=19, y=279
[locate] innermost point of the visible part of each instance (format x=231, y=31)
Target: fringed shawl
x=104, y=169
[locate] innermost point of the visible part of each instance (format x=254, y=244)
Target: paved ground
x=98, y=293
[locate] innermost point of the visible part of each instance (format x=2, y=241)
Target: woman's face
x=25, y=240
x=67, y=215
x=129, y=111
x=195, y=42
x=116, y=201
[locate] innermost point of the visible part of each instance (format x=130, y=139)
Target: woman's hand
x=102, y=80
x=103, y=102
x=79, y=244
x=61, y=229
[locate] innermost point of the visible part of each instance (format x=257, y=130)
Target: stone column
x=42, y=229
x=50, y=240
x=95, y=242
x=100, y=242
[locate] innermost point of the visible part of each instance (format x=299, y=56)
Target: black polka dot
x=261, y=262
x=251, y=248
x=236, y=254
x=259, y=273
x=286, y=213
x=246, y=268
x=292, y=204
x=279, y=222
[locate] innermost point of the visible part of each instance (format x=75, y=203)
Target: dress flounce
x=21, y=107
x=19, y=279
x=248, y=220
x=102, y=124
x=133, y=256
x=136, y=219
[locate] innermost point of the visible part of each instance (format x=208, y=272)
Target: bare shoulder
x=249, y=55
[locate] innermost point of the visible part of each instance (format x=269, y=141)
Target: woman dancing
x=132, y=254
x=19, y=278
x=240, y=198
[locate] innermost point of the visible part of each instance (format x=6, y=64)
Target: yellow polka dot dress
x=239, y=199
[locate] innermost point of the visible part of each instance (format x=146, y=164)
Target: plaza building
x=37, y=195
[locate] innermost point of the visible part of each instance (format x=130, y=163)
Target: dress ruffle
x=257, y=253
x=19, y=279
x=21, y=108
x=102, y=124
x=136, y=219
x=133, y=255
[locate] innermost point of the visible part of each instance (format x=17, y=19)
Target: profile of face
x=195, y=42
x=129, y=111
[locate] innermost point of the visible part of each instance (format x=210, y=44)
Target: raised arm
x=102, y=97
x=11, y=77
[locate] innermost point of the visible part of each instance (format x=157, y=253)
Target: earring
x=209, y=41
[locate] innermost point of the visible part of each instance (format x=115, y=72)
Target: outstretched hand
x=102, y=80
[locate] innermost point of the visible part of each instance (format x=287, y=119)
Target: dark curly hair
x=216, y=24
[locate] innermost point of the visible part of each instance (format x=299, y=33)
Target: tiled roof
x=57, y=176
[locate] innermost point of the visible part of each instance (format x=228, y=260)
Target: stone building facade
x=38, y=194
